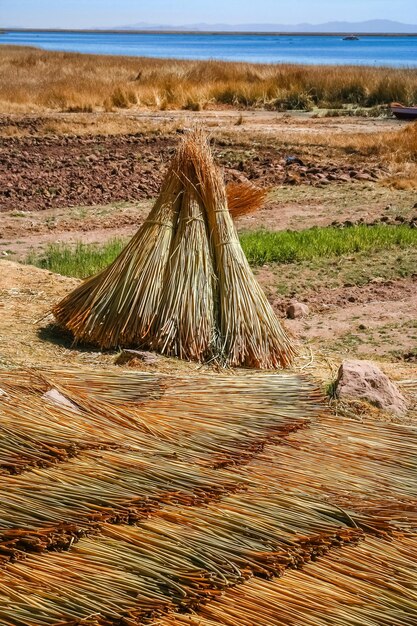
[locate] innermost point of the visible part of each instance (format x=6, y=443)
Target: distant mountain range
x=370, y=26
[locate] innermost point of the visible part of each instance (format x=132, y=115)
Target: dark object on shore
x=293, y=160
x=350, y=38
x=403, y=113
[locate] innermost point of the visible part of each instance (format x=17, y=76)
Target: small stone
x=364, y=380
x=296, y=310
x=55, y=397
x=129, y=357
x=362, y=176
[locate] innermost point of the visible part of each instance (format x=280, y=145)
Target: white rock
x=55, y=397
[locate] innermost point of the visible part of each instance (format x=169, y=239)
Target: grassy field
x=261, y=247
x=80, y=261
x=291, y=246
x=35, y=79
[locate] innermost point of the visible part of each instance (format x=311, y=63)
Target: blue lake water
x=387, y=51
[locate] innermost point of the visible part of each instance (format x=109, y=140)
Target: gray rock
x=364, y=380
x=297, y=309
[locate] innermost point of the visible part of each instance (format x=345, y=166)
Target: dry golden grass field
x=33, y=79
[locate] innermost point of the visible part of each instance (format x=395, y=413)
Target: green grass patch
x=292, y=246
x=283, y=247
x=79, y=261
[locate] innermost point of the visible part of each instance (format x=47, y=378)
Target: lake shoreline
x=375, y=50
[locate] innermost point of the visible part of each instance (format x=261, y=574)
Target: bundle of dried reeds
x=183, y=285
x=121, y=454
x=177, y=559
x=222, y=418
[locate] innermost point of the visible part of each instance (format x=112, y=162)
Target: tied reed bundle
x=117, y=306
x=372, y=583
x=183, y=285
x=134, y=443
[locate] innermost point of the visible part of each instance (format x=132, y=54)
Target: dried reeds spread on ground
x=181, y=500
x=183, y=285
x=373, y=583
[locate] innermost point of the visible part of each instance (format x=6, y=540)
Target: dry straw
x=371, y=584
x=183, y=285
x=244, y=198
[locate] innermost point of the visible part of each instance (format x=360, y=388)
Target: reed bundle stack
x=183, y=286
x=207, y=502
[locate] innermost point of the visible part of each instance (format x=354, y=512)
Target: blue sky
x=99, y=13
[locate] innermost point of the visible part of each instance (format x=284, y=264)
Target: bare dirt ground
x=42, y=166
x=292, y=207
x=93, y=177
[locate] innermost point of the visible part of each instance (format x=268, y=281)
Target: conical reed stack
x=183, y=285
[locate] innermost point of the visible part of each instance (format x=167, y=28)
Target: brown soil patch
x=323, y=300
x=294, y=208
x=41, y=171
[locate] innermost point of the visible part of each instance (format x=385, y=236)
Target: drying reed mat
x=183, y=286
x=132, y=498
